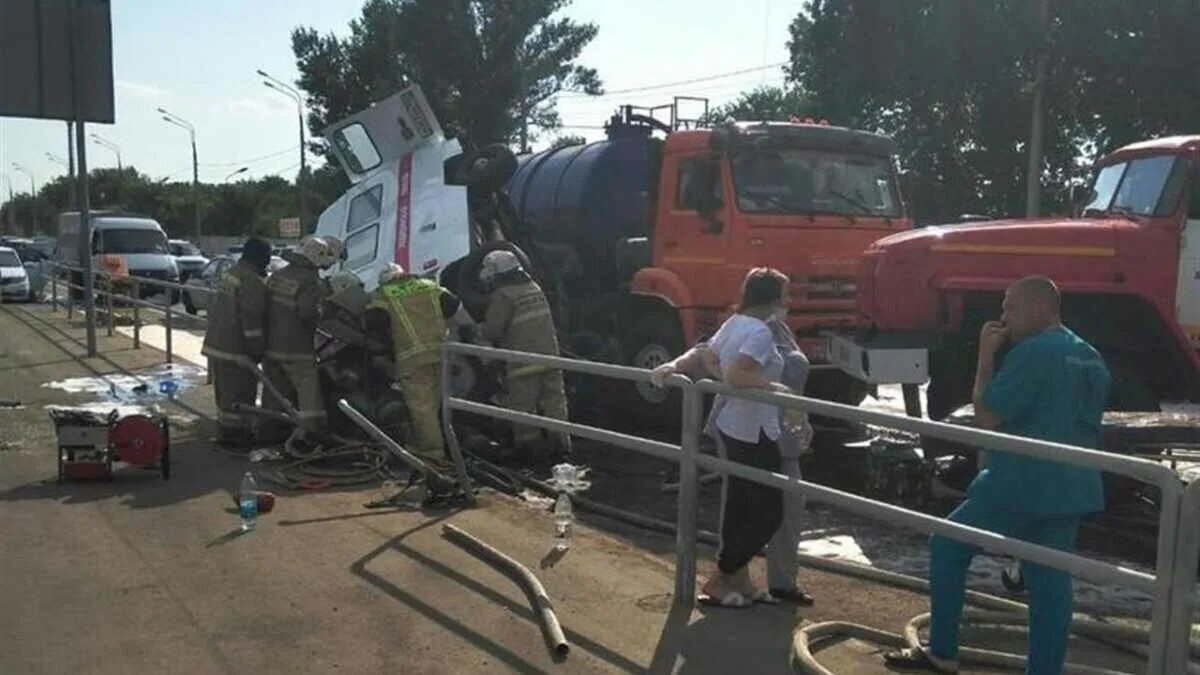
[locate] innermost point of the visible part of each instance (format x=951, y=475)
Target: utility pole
x=1033, y=185
x=32, y=199
x=184, y=124
x=70, y=163
x=290, y=92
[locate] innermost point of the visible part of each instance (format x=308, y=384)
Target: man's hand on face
x=992, y=337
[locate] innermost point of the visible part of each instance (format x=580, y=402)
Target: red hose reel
x=89, y=444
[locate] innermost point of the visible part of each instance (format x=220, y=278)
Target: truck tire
x=655, y=339
x=491, y=174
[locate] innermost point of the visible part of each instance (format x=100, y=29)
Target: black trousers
x=752, y=511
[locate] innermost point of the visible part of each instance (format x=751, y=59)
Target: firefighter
x=410, y=315
x=519, y=318
x=234, y=342
x=294, y=297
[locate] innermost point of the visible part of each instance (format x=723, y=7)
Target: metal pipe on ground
x=395, y=448
x=543, y=608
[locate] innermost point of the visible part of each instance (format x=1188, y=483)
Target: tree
x=952, y=82
x=490, y=68
x=766, y=104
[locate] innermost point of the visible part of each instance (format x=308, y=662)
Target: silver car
x=205, y=283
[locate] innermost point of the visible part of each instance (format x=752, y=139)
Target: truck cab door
x=693, y=225
x=384, y=132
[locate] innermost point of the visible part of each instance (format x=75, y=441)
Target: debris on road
x=543, y=608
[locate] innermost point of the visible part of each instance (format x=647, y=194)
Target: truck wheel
x=656, y=339
x=487, y=169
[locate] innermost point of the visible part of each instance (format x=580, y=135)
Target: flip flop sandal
x=731, y=600
x=795, y=596
x=765, y=597
x=911, y=658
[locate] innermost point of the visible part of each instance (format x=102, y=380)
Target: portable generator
x=89, y=443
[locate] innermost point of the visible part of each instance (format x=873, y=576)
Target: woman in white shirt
x=746, y=357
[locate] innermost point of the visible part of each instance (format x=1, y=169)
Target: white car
x=207, y=280
x=188, y=258
x=14, y=280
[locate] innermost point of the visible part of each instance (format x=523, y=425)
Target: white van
x=401, y=206
x=139, y=242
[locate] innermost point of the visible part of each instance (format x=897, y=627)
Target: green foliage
x=241, y=208
x=764, y=104
x=952, y=81
x=485, y=65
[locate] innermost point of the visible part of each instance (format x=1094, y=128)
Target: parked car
x=188, y=258
x=33, y=260
x=208, y=277
x=14, y=281
x=132, y=243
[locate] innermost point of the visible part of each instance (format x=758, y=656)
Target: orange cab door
x=694, y=224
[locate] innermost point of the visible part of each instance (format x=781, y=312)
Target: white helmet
x=317, y=251
x=390, y=272
x=498, y=262
x=343, y=280
x=336, y=248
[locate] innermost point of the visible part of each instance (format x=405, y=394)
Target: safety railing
x=1171, y=585
x=133, y=298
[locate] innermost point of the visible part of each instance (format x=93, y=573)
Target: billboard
x=36, y=43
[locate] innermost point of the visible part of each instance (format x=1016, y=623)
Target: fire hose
x=1000, y=611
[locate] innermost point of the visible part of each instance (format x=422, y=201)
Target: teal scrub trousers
x=1050, y=595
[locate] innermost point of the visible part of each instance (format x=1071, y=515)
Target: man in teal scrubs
x=1052, y=386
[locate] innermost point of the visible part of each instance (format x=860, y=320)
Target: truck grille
x=10, y=281
x=831, y=288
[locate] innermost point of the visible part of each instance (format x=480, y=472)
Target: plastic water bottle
x=564, y=522
x=248, y=501
x=168, y=388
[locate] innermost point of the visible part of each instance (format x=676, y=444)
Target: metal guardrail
x=1172, y=585
x=133, y=298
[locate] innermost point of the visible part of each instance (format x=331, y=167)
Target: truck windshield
x=812, y=181
x=131, y=241
x=9, y=259
x=1141, y=187
x=184, y=248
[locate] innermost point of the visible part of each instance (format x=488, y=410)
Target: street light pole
x=244, y=169
x=32, y=196
x=116, y=149
x=11, y=209
x=184, y=124
x=289, y=91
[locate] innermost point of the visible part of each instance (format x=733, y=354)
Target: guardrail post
x=689, y=498
x=1164, y=574
x=108, y=307
x=53, y=292
x=137, y=314
x=1183, y=585
x=70, y=301
x=460, y=465
x=170, y=345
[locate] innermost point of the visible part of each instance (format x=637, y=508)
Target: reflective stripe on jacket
x=237, y=316
x=414, y=306
x=294, y=301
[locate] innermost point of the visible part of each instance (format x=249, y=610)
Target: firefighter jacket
x=519, y=318
x=237, y=315
x=414, y=307
x=294, y=294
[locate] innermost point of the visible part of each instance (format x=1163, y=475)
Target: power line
x=720, y=91
x=252, y=159
x=664, y=85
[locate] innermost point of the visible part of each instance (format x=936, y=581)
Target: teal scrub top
x=1052, y=386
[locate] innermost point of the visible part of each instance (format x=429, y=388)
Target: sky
x=197, y=59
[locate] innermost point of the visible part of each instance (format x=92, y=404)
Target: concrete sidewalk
x=141, y=574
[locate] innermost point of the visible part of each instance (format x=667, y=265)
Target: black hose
x=543, y=609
